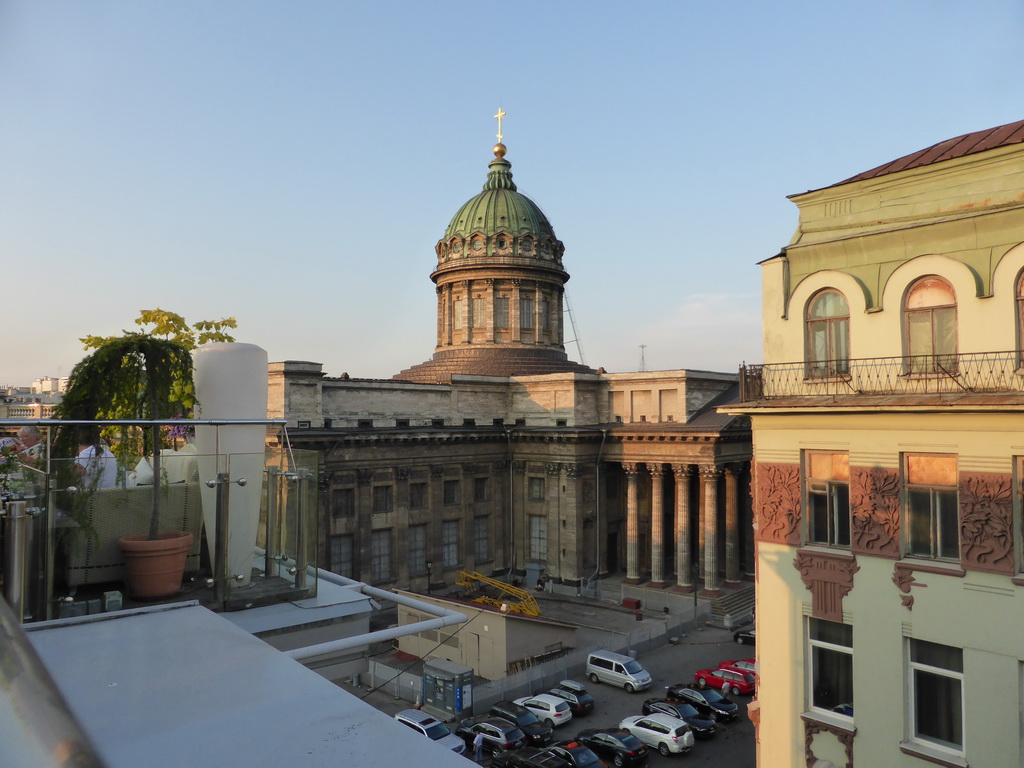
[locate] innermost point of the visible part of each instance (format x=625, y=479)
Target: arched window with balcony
x=828, y=334
x=931, y=343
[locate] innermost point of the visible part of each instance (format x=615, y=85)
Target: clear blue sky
x=294, y=163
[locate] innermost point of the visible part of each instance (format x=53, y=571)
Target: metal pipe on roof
x=445, y=618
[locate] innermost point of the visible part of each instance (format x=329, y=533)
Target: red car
x=736, y=681
x=746, y=665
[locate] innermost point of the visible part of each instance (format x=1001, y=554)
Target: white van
x=616, y=669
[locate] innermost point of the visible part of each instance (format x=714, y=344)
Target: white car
x=669, y=735
x=549, y=709
x=432, y=728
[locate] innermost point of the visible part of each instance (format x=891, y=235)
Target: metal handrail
x=975, y=372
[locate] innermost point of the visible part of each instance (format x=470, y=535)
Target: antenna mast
x=572, y=322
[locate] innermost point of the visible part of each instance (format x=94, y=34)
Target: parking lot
x=732, y=745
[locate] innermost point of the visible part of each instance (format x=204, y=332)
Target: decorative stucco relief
x=845, y=738
x=903, y=578
x=875, y=511
x=986, y=522
x=829, y=578
x=778, y=503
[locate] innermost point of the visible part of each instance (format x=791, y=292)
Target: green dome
x=499, y=208
x=500, y=222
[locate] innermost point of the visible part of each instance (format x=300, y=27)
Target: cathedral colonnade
x=687, y=525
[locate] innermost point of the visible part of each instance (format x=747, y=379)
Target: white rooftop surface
x=332, y=601
x=179, y=685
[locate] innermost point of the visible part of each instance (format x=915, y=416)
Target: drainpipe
x=445, y=618
x=597, y=509
x=511, y=518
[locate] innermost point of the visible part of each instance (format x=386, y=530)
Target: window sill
x=920, y=565
x=833, y=721
x=837, y=551
x=932, y=754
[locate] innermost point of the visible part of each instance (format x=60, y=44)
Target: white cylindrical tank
x=231, y=383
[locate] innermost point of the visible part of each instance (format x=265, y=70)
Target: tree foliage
x=172, y=326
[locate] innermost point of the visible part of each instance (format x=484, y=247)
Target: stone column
x=492, y=296
x=684, y=577
x=709, y=485
x=514, y=325
x=632, y=526
x=732, y=560
x=657, y=526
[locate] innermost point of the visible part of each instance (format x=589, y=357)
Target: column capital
x=630, y=468
x=709, y=471
x=682, y=470
x=656, y=470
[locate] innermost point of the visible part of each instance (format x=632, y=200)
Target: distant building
x=887, y=425
x=501, y=455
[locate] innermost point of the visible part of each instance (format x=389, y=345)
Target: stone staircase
x=733, y=609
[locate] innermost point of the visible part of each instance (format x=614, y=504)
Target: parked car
x=703, y=727
x=552, y=710
x=577, y=754
x=499, y=734
x=579, y=700
x=669, y=735
x=616, y=669
x=735, y=680
x=537, y=733
x=432, y=728
x=707, y=701
x=529, y=757
x=745, y=637
x=615, y=744
x=750, y=665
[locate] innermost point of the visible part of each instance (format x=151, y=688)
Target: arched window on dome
x=930, y=311
x=828, y=335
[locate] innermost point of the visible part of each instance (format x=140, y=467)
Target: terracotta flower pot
x=155, y=568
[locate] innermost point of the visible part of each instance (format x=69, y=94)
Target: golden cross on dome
x=498, y=116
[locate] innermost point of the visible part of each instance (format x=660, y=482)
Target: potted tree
x=139, y=375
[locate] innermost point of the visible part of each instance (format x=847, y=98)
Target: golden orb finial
x=500, y=150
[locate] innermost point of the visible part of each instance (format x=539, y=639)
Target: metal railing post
x=220, y=559
x=301, y=562
x=273, y=545
x=15, y=528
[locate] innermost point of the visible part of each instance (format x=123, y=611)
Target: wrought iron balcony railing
x=981, y=372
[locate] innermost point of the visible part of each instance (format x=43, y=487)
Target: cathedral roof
x=499, y=207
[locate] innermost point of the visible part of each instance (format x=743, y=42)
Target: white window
x=380, y=555
x=828, y=335
x=931, y=327
x=831, y=658
x=478, y=320
x=450, y=543
x=538, y=537
x=501, y=312
x=828, y=498
x=933, y=519
x=936, y=695
x=457, y=314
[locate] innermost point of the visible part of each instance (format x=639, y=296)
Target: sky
x=292, y=164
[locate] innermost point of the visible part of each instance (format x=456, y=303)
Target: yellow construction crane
x=508, y=598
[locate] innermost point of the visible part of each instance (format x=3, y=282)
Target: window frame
x=381, y=568
x=836, y=329
x=838, y=521
x=482, y=539
x=938, y=506
x=383, y=499
x=913, y=667
x=818, y=650
x=343, y=503
x=502, y=313
x=450, y=544
x=538, y=537
x=526, y=313
x=481, y=489
x=934, y=361
x=452, y=498
x=536, y=488
x=416, y=550
x=338, y=554
x=418, y=494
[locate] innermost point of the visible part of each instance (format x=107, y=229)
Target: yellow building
x=888, y=425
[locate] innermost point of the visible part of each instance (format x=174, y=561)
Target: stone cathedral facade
x=499, y=454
